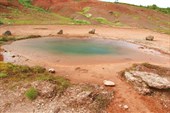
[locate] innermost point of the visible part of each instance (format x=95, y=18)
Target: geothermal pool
x=81, y=51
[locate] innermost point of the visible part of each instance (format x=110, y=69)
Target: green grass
x=24, y=74
x=31, y=93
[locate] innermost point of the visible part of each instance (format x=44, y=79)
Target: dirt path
x=124, y=93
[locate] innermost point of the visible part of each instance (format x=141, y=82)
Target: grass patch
x=31, y=93
x=26, y=74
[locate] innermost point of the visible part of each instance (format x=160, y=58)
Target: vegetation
x=152, y=7
x=16, y=74
x=15, y=16
x=155, y=7
x=31, y=93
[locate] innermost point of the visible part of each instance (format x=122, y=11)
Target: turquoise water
x=80, y=51
x=77, y=46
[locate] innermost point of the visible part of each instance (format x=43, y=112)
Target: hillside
x=82, y=12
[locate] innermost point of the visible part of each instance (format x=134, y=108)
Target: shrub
x=31, y=93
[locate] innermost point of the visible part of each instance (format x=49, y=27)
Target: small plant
x=3, y=75
x=31, y=93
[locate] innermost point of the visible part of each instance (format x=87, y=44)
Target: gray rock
x=92, y=31
x=7, y=33
x=150, y=38
x=108, y=83
x=145, y=79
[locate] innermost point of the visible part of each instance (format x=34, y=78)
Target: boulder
x=51, y=70
x=7, y=33
x=146, y=79
x=60, y=32
x=108, y=83
x=92, y=31
x=150, y=38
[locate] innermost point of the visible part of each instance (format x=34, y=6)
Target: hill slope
x=82, y=12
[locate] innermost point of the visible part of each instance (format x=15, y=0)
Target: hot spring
x=80, y=51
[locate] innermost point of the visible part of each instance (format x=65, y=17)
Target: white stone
x=108, y=83
x=51, y=70
x=125, y=106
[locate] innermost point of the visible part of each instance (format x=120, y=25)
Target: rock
x=13, y=56
x=45, y=89
x=60, y=32
x=125, y=107
x=51, y=70
x=147, y=80
x=108, y=83
x=153, y=80
x=7, y=33
x=150, y=38
x=92, y=31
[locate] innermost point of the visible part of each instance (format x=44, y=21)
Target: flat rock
x=149, y=79
x=108, y=83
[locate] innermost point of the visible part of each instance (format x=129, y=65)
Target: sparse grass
x=27, y=4
x=102, y=20
x=33, y=17
x=102, y=102
x=31, y=93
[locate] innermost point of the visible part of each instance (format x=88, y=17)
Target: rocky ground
x=50, y=95
x=150, y=80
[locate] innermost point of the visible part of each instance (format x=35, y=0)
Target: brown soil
x=124, y=93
